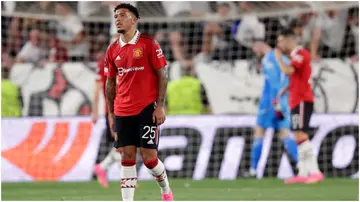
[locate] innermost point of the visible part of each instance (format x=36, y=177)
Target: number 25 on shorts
x=149, y=132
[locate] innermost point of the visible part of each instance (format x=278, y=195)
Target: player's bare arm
x=110, y=90
x=159, y=113
x=110, y=93
x=288, y=70
x=95, y=110
x=163, y=81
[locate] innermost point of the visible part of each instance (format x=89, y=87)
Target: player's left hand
x=94, y=117
x=278, y=113
x=159, y=115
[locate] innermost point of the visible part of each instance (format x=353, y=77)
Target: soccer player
x=301, y=103
x=113, y=156
x=135, y=91
x=273, y=111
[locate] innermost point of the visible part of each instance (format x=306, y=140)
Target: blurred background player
x=273, y=110
x=135, y=93
x=10, y=96
x=301, y=104
x=187, y=95
x=113, y=156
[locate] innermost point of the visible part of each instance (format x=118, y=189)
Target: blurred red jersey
x=134, y=64
x=300, y=87
x=101, y=77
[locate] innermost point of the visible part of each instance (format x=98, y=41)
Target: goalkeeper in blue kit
x=273, y=110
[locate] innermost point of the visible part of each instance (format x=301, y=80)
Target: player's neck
x=128, y=35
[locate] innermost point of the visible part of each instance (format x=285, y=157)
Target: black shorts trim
x=138, y=130
x=301, y=115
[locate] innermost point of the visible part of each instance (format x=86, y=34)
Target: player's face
x=281, y=43
x=124, y=20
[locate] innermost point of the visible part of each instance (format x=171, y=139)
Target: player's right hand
x=159, y=115
x=95, y=117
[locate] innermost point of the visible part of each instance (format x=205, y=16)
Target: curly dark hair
x=130, y=7
x=287, y=33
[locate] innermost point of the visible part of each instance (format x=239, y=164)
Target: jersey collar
x=296, y=49
x=134, y=40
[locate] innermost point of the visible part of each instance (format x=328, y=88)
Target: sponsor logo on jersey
x=122, y=71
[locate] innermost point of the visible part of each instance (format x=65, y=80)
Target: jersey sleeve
x=300, y=60
x=157, y=58
x=109, y=66
x=100, y=69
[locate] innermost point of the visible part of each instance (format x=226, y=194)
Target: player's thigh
x=148, y=130
x=259, y=132
x=128, y=152
x=262, y=121
x=127, y=131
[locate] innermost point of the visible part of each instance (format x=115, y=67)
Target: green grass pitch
x=339, y=189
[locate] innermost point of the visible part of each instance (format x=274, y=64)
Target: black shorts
x=300, y=116
x=138, y=130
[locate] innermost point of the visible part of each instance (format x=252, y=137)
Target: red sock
x=299, y=142
x=128, y=162
x=150, y=164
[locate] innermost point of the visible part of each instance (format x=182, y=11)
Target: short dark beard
x=121, y=31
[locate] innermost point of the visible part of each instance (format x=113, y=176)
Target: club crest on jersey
x=138, y=53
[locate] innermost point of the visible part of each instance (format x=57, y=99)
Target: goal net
x=51, y=50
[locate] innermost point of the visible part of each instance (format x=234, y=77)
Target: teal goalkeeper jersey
x=274, y=81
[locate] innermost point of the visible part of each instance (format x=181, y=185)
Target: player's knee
x=300, y=136
x=259, y=132
x=284, y=133
x=148, y=154
x=128, y=153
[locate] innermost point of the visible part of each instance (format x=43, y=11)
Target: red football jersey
x=134, y=64
x=300, y=87
x=101, y=77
